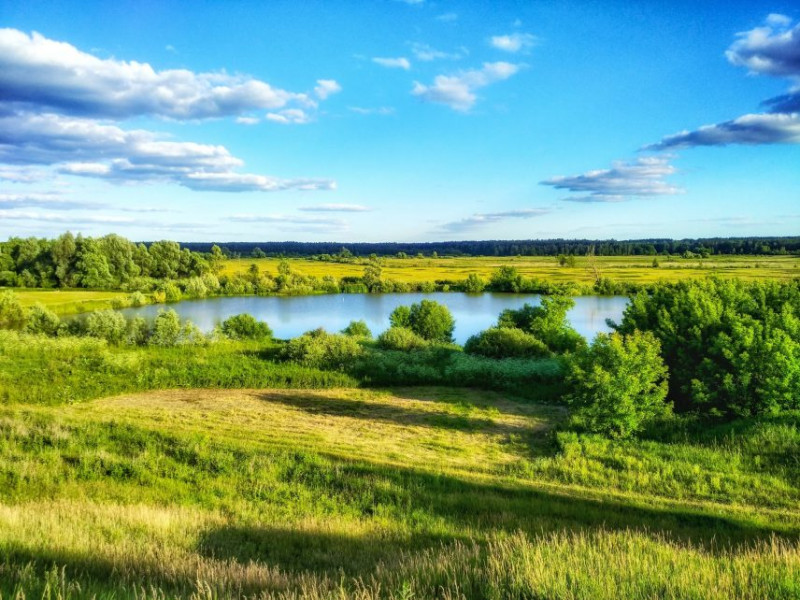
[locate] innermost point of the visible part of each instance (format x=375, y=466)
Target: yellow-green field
x=634, y=269
x=409, y=493
x=69, y=301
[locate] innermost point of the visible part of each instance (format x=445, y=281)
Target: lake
x=293, y=315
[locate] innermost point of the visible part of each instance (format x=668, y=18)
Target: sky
x=399, y=120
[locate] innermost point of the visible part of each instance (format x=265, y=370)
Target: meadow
x=400, y=493
x=628, y=269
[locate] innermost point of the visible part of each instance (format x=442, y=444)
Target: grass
x=69, y=301
x=629, y=269
x=400, y=493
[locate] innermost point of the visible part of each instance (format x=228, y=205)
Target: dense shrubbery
x=428, y=319
x=244, y=326
x=401, y=338
x=617, y=384
x=358, y=329
x=732, y=348
x=323, y=350
x=506, y=342
x=547, y=322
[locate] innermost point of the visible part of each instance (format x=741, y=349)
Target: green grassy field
x=69, y=301
x=402, y=493
x=633, y=269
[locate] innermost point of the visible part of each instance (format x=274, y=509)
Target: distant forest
x=702, y=247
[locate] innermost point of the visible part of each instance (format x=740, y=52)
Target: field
x=69, y=301
x=633, y=269
x=402, y=493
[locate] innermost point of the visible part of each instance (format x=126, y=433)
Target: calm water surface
x=291, y=316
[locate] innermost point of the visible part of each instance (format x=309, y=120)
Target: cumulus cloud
x=513, y=42
x=87, y=148
x=39, y=72
x=335, y=208
x=773, y=49
x=393, y=63
x=326, y=87
x=458, y=91
x=481, y=219
x=770, y=128
x=642, y=178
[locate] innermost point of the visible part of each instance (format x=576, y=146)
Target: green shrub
x=547, y=322
x=139, y=332
x=617, y=384
x=137, y=299
x=169, y=331
x=107, y=325
x=12, y=314
x=358, y=329
x=401, y=338
x=42, y=320
x=323, y=350
x=732, y=348
x=196, y=288
x=506, y=342
x=428, y=319
x=245, y=326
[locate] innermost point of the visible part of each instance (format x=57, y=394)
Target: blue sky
x=399, y=121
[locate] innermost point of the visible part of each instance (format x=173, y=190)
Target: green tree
x=617, y=384
x=245, y=326
x=108, y=325
x=42, y=320
x=12, y=314
x=357, y=329
x=547, y=322
x=474, y=284
x=428, y=319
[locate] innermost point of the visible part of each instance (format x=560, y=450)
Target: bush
x=547, y=322
x=473, y=284
x=137, y=299
x=401, y=338
x=732, y=348
x=12, y=315
x=107, y=325
x=506, y=342
x=42, y=320
x=617, y=384
x=169, y=331
x=245, y=326
x=196, y=288
x=428, y=319
x=323, y=350
x=358, y=329
x=138, y=332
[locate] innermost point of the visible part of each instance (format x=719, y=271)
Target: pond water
x=294, y=315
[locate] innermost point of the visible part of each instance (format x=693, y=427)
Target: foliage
x=42, y=320
x=506, y=342
x=358, y=329
x=12, y=314
x=617, y=384
x=168, y=330
x=323, y=350
x=473, y=284
x=401, y=338
x=428, y=319
x=547, y=322
x=732, y=348
x=108, y=325
x=245, y=326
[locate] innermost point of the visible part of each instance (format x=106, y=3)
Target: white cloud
x=772, y=128
x=773, y=49
x=17, y=174
x=393, y=63
x=326, y=87
x=458, y=91
x=380, y=110
x=247, y=120
x=482, y=219
x=447, y=17
x=644, y=177
x=86, y=148
x=289, y=116
x=426, y=53
x=49, y=200
x=39, y=72
x=335, y=208
x=513, y=42
x=284, y=222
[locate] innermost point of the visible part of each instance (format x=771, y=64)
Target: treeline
x=644, y=247
x=109, y=262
